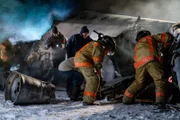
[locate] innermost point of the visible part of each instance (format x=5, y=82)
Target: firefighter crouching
x=73, y=77
x=148, y=61
x=89, y=60
x=6, y=54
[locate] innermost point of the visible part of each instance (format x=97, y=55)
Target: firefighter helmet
x=142, y=34
x=175, y=30
x=109, y=44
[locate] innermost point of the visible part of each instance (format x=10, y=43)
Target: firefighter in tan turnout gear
x=6, y=54
x=148, y=61
x=89, y=60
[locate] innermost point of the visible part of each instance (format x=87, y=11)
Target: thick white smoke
x=157, y=9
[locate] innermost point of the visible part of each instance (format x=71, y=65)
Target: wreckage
x=22, y=90
x=118, y=71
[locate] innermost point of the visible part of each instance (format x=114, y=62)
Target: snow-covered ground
x=66, y=110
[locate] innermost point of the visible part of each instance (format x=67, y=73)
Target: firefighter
x=6, y=54
x=89, y=60
x=56, y=40
x=173, y=79
x=73, y=77
x=77, y=41
x=148, y=61
x=57, y=43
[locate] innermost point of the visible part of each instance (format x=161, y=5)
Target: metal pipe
x=22, y=90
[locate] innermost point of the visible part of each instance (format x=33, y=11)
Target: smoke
x=157, y=9
x=30, y=19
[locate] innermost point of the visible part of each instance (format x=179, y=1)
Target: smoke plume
x=157, y=9
x=30, y=19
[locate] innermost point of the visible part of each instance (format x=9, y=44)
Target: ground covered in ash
x=66, y=110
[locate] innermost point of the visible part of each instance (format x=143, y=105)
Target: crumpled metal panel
x=22, y=90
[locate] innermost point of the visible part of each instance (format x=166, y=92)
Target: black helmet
x=108, y=43
x=54, y=30
x=142, y=34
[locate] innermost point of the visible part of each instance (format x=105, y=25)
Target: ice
x=66, y=110
x=9, y=117
x=9, y=103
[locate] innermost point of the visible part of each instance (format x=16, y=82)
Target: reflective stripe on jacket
x=90, y=55
x=147, y=48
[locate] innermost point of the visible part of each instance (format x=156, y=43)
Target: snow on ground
x=66, y=110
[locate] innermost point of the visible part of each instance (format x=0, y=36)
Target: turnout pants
x=92, y=84
x=153, y=69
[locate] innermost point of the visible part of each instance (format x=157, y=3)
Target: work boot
x=75, y=93
x=128, y=101
x=87, y=104
x=161, y=106
x=69, y=89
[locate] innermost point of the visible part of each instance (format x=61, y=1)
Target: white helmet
x=175, y=30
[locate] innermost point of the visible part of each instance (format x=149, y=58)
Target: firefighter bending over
x=89, y=60
x=148, y=61
x=73, y=77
